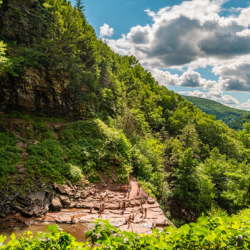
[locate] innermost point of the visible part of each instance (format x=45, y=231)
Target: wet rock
x=56, y=204
x=65, y=200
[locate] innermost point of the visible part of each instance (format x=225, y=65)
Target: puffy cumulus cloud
x=245, y=106
x=106, y=31
x=193, y=34
x=184, y=33
x=217, y=96
x=234, y=75
x=189, y=79
x=244, y=33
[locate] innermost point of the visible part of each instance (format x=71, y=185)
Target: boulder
x=72, y=204
x=80, y=205
x=151, y=200
x=65, y=200
x=64, y=189
x=132, y=203
x=55, y=186
x=137, y=203
x=56, y=204
x=112, y=206
x=78, y=195
x=89, y=205
x=84, y=195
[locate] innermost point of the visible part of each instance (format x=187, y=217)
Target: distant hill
x=238, y=124
x=234, y=118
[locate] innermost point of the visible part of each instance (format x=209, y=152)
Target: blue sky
x=218, y=66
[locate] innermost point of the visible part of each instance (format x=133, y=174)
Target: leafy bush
x=208, y=233
x=75, y=173
x=95, y=178
x=9, y=153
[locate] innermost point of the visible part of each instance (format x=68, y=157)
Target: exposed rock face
x=56, y=204
x=37, y=92
x=34, y=91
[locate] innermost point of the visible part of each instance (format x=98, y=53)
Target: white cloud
x=217, y=96
x=243, y=33
x=193, y=34
x=189, y=79
x=106, y=31
x=245, y=106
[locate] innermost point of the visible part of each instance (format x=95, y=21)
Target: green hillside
x=228, y=115
x=72, y=110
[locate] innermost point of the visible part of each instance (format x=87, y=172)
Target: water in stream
x=77, y=230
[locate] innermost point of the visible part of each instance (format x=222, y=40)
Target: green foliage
x=234, y=118
x=220, y=232
x=79, y=5
x=239, y=123
x=130, y=124
x=5, y=63
x=75, y=173
x=46, y=159
x=49, y=240
x=95, y=178
x=93, y=145
x=9, y=153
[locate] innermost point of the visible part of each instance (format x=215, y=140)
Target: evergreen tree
x=79, y=5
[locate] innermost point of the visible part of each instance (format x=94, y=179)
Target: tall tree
x=79, y=5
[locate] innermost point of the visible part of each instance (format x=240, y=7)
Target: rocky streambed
x=70, y=205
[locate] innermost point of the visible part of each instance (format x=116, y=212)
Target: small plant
x=95, y=178
x=75, y=173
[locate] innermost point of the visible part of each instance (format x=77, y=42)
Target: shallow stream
x=77, y=230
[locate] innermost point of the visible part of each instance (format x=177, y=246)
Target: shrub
x=75, y=173
x=95, y=178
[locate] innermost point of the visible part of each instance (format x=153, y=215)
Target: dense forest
x=234, y=118
x=112, y=110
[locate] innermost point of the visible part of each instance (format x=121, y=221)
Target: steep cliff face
x=44, y=92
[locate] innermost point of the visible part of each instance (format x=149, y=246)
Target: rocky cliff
x=40, y=92
x=32, y=90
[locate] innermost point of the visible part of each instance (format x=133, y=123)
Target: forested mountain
x=232, y=117
x=239, y=124
x=116, y=118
